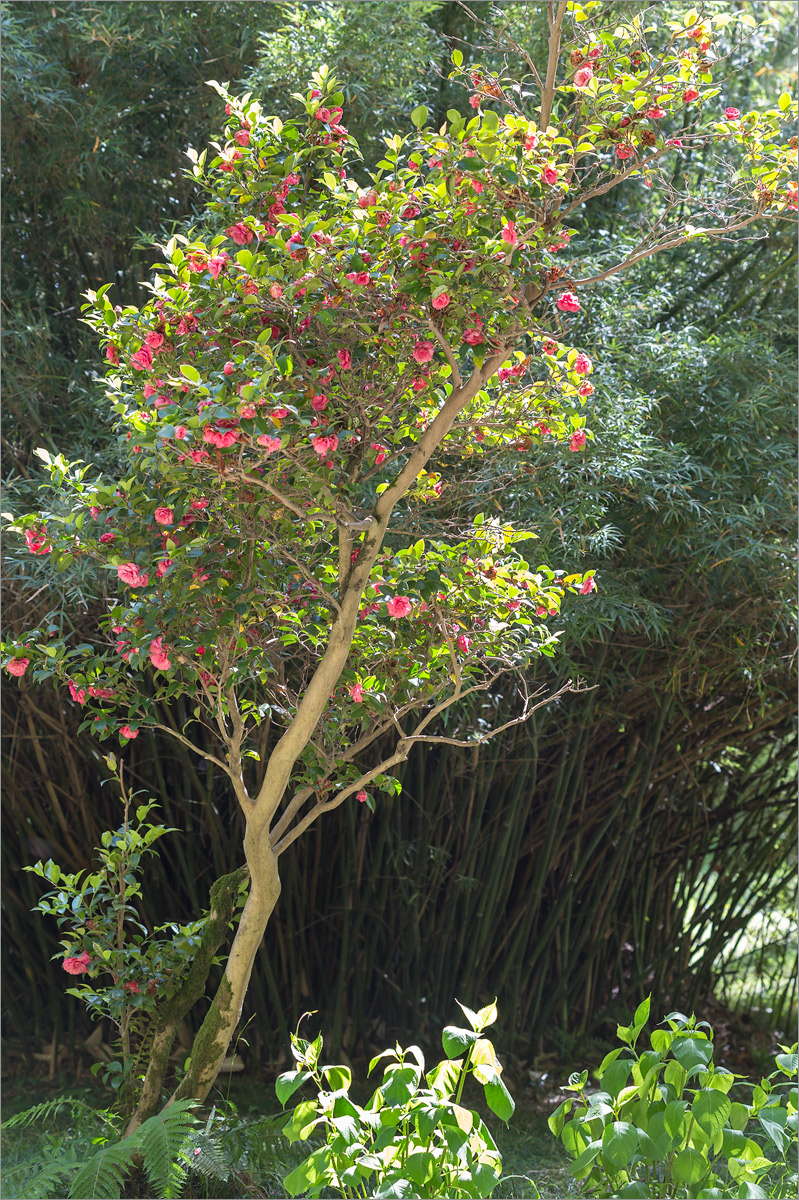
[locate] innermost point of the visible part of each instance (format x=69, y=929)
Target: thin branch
x=553, y=54
x=450, y=357
x=192, y=746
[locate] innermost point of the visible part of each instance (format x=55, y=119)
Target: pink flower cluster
x=76, y=964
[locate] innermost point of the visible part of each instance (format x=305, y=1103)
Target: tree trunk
x=223, y=902
x=213, y=1037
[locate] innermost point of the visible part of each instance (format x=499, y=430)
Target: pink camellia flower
x=323, y=114
x=76, y=964
x=463, y=643
x=582, y=364
x=577, y=439
x=270, y=443
x=36, y=541
x=473, y=336
x=441, y=301
x=158, y=655
x=229, y=368
x=165, y=516
x=583, y=77
x=18, y=666
x=154, y=340
x=319, y=402
x=568, y=302
x=344, y=359
x=656, y=113
x=314, y=94
x=732, y=114
x=423, y=351
x=690, y=94
x=132, y=987
x=474, y=100
x=275, y=291
x=112, y=353
x=107, y=537
x=142, y=360
x=588, y=587
x=202, y=503
x=217, y=263
x=241, y=234
x=181, y=432
x=399, y=606
x=129, y=733
x=410, y=212
x=129, y=573
x=585, y=389
x=279, y=414
x=356, y=693
x=674, y=142
x=509, y=234
x=549, y=175
x=382, y=451
x=163, y=567
x=361, y=797
x=325, y=445
x=101, y=693
x=242, y=137
x=625, y=151
x=77, y=694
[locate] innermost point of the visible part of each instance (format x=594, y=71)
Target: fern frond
x=48, y=1180
x=160, y=1141
x=102, y=1177
x=206, y=1156
x=49, y=1110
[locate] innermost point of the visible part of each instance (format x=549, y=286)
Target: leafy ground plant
x=408, y=1139
x=663, y=1123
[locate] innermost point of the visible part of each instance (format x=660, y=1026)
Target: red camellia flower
x=582, y=364
x=625, y=151
x=423, y=351
x=36, y=541
x=732, y=114
x=270, y=443
x=18, y=666
x=473, y=336
x=356, y=693
x=577, y=440
x=229, y=368
x=549, y=175
x=583, y=77
x=129, y=733
x=158, y=655
x=241, y=234
x=77, y=964
x=588, y=587
x=463, y=643
x=509, y=234
x=568, y=302
x=154, y=340
x=344, y=359
x=399, y=606
x=441, y=301
x=690, y=94
x=142, y=360
x=323, y=114
x=242, y=136
x=165, y=516
x=361, y=797
x=319, y=402
x=656, y=113
x=111, y=353
x=129, y=573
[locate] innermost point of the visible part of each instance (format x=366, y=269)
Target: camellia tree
x=318, y=360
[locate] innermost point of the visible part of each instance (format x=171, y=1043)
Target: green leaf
x=585, y=1158
x=313, y=1171
x=635, y=1189
x=288, y=1083
x=419, y=116
x=619, y=1143
x=616, y=1076
x=457, y=1041
x=499, y=1099
x=557, y=1119
x=739, y=1116
x=690, y=1166
x=642, y=1012
x=457, y=58
x=788, y=1063
x=189, y=372
x=785, y=101
x=674, y=1118
x=692, y=1051
x=710, y=1110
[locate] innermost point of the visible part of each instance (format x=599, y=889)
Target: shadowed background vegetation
x=625, y=840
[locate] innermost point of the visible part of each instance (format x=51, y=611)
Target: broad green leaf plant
x=664, y=1122
x=321, y=355
x=413, y=1137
